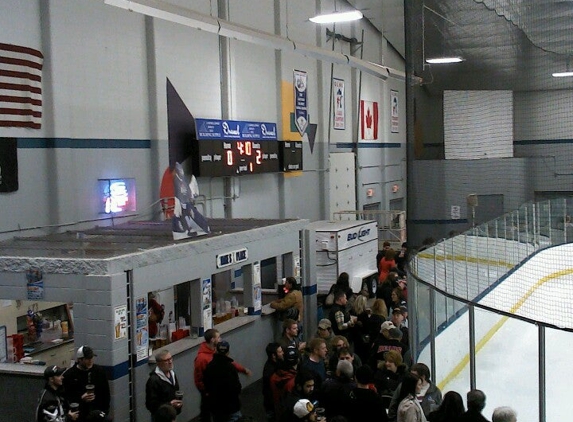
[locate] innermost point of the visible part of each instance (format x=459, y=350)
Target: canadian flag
x=369, y=120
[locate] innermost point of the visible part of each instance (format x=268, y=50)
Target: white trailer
x=345, y=246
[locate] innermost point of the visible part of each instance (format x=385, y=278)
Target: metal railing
x=496, y=282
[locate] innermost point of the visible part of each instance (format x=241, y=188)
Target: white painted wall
x=104, y=80
x=478, y=124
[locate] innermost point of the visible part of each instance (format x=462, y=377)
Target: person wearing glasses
x=162, y=385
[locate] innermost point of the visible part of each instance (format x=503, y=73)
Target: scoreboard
x=235, y=148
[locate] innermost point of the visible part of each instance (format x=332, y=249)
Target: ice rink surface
x=507, y=359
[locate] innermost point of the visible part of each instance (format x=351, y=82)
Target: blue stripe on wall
x=365, y=145
x=460, y=221
x=309, y=290
x=543, y=141
x=48, y=143
x=117, y=371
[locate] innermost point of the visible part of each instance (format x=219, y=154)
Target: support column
x=252, y=293
x=308, y=282
x=472, y=329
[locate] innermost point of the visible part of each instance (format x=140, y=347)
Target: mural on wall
x=187, y=221
x=21, y=99
x=178, y=190
x=181, y=129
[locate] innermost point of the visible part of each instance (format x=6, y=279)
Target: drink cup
x=90, y=389
x=74, y=407
x=179, y=395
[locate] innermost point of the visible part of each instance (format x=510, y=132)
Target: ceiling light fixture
x=444, y=60
x=562, y=74
x=338, y=17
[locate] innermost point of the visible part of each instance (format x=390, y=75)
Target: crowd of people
x=357, y=367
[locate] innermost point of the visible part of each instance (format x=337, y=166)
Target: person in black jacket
x=275, y=355
x=365, y=402
x=222, y=386
x=162, y=385
x=334, y=394
x=389, y=376
x=304, y=384
x=52, y=405
x=85, y=372
x=342, y=321
x=476, y=403
x=451, y=409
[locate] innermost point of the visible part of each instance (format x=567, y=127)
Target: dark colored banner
x=8, y=165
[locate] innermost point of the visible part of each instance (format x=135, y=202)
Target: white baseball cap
x=302, y=408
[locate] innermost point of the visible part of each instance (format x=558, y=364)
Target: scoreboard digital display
x=234, y=158
x=236, y=148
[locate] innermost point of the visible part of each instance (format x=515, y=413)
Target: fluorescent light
x=171, y=13
x=338, y=17
x=441, y=60
x=562, y=74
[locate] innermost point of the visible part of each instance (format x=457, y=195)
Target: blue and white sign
x=235, y=129
x=35, y=284
x=357, y=235
x=300, y=101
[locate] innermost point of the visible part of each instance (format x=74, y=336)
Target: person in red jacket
x=283, y=380
x=385, y=265
x=205, y=355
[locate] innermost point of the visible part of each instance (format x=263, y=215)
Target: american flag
x=20, y=86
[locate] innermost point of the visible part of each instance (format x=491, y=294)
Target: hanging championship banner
x=394, y=113
x=300, y=101
x=338, y=104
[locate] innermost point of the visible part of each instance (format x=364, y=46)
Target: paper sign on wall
x=35, y=284
x=456, y=212
x=120, y=322
x=207, y=304
x=257, y=291
x=141, y=330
